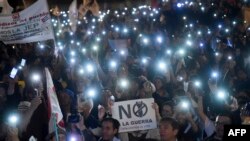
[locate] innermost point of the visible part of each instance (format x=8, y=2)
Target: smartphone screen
x=23, y=62
x=13, y=73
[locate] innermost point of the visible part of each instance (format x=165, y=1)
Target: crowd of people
x=192, y=57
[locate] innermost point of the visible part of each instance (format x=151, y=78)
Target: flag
x=6, y=9
x=73, y=15
x=53, y=104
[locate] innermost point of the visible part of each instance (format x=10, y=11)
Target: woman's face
x=158, y=84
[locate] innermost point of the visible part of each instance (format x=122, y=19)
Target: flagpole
x=55, y=127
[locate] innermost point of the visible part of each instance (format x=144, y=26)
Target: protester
x=110, y=128
x=169, y=128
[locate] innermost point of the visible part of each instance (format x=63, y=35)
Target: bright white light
x=217, y=53
x=197, y=83
x=221, y=94
x=117, y=29
x=72, y=53
x=159, y=39
x=180, y=78
x=201, y=44
x=202, y=8
x=91, y=92
x=98, y=39
x=184, y=17
x=234, y=22
x=90, y=68
x=199, y=32
x=72, y=60
x=95, y=48
x=215, y=15
x=41, y=46
x=125, y=30
x=162, y=65
x=220, y=26
x=229, y=57
x=103, y=32
x=113, y=64
x=226, y=30
x=36, y=77
x=189, y=43
x=179, y=5
x=145, y=40
x=184, y=104
x=122, y=52
x=124, y=83
x=144, y=60
x=181, y=52
x=169, y=52
x=81, y=71
x=13, y=119
x=215, y=74
x=84, y=50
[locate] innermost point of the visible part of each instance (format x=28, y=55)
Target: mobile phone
x=23, y=62
x=13, y=73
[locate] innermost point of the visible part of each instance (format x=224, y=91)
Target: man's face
x=167, y=111
x=219, y=124
x=167, y=132
x=108, y=131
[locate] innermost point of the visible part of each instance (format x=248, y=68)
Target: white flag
x=6, y=9
x=54, y=107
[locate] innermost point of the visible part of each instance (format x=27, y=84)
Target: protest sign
x=135, y=115
x=30, y=25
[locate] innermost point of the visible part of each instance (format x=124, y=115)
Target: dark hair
x=168, y=103
x=115, y=122
x=171, y=121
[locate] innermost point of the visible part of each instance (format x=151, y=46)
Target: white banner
x=30, y=25
x=135, y=115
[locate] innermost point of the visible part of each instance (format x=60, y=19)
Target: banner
x=135, y=115
x=30, y=25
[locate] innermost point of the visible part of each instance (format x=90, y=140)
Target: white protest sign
x=135, y=115
x=30, y=25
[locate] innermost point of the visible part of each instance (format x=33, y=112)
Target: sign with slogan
x=30, y=25
x=135, y=115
